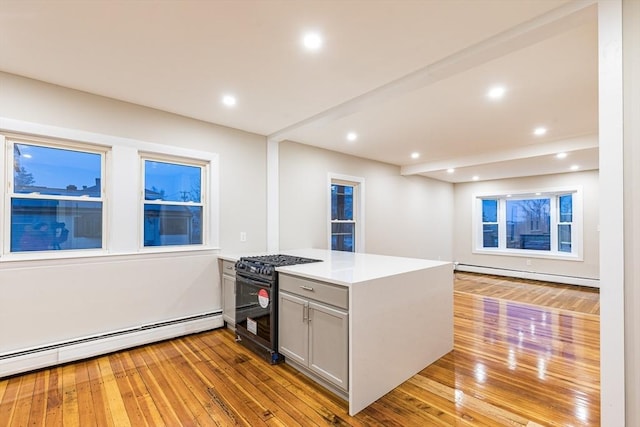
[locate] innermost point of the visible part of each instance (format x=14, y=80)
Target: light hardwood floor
x=526, y=353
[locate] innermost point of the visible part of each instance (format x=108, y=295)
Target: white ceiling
x=407, y=76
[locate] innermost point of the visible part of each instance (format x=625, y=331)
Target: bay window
x=541, y=223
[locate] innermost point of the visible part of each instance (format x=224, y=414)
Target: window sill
x=523, y=253
x=99, y=254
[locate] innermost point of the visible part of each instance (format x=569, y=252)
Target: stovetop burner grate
x=279, y=260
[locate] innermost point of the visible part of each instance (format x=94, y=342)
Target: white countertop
x=346, y=268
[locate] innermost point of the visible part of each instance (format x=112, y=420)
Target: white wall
x=463, y=235
x=48, y=301
x=242, y=154
x=404, y=215
x=59, y=301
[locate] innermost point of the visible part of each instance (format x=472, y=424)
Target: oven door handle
x=251, y=281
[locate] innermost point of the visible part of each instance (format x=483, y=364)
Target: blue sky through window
x=54, y=169
x=172, y=182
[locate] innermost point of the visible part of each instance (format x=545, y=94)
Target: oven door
x=255, y=311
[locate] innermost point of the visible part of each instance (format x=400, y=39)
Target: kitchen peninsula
x=389, y=317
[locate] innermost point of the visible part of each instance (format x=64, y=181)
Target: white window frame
x=496, y=222
x=571, y=223
x=358, y=184
x=8, y=140
x=553, y=195
x=121, y=188
x=204, y=179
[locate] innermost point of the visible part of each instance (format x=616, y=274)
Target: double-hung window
x=565, y=222
x=346, y=213
x=55, y=196
x=489, y=223
x=343, y=224
x=541, y=223
x=173, y=202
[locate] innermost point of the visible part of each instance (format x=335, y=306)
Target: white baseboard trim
x=555, y=278
x=29, y=360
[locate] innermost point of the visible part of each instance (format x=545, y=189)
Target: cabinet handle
x=306, y=288
x=305, y=312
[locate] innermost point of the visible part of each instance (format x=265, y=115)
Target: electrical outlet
x=243, y=236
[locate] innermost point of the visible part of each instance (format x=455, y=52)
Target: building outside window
x=173, y=203
x=528, y=224
x=55, y=196
x=540, y=223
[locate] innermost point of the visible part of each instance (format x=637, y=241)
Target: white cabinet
x=229, y=293
x=313, y=328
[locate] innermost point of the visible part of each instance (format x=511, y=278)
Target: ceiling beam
x=556, y=21
x=534, y=150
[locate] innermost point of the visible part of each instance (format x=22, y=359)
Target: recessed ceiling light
x=509, y=195
x=352, y=136
x=496, y=92
x=537, y=194
x=312, y=41
x=575, y=167
x=451, y=170
x=415, y=155
x=475, y=177
x=561, y=155
x=229, y=100
x=539, y=131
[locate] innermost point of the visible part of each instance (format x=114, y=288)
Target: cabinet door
x=293, y=329
x=229, y=299
x=329, y=344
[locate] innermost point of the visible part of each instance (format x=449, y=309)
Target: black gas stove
x=264, y=266
x=257, y=302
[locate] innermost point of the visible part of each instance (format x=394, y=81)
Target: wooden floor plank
x=148, y=376
x=125, y=387
x=86, y=413
x=280, y=402
x=39, y=402
x=260, y=413
x=195, y=411
x=144, y=399
x=9, y=400
x=70, y=413
x=223, y=393
x=114, y=399
x=101, y=410
x=24, y=401
x=54, y=415
x=196, y=386
x=526, y=353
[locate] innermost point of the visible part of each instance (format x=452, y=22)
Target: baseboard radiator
x=555, y=278
x=40, y=357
